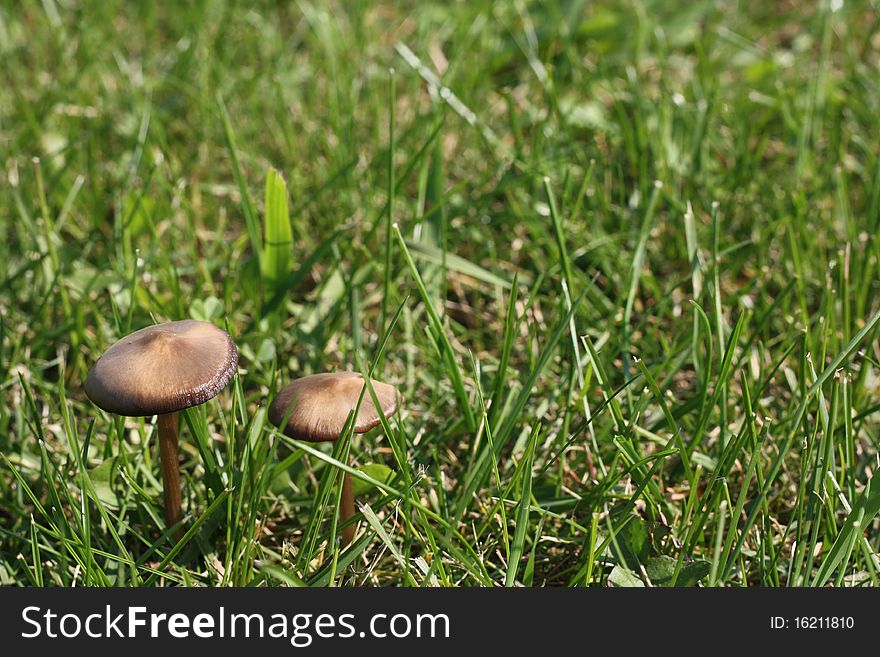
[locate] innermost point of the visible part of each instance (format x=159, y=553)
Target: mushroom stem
x=170, y=470
x=346, y=510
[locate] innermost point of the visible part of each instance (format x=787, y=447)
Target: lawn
x=619, y=258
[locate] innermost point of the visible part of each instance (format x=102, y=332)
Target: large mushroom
x=317, y=408
x=161, y=370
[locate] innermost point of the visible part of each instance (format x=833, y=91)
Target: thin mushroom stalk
x=346, y=510
x=168, y=455
x=346, y=507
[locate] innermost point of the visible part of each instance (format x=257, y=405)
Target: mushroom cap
x=162, y=369
x=319, y=405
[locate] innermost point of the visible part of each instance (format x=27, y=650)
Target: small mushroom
x=161, y=370
x=317, y=407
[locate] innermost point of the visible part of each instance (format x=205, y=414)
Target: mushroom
x=317, y=408
x=161, y=370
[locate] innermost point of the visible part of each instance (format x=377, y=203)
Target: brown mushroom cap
x=319, y=405
x=162, y=369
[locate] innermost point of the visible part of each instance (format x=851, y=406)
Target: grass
x=621, y=259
